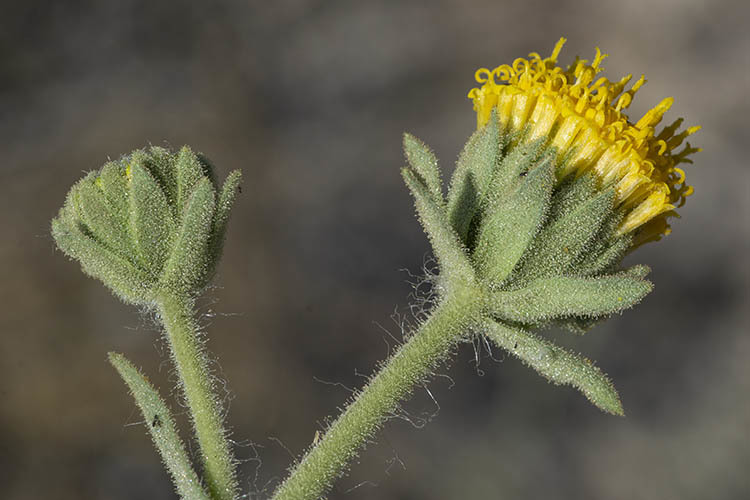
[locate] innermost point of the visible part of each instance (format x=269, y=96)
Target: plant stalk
x=177, y=315
x=410, y=366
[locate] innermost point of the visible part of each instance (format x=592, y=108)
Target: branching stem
x=411, y=365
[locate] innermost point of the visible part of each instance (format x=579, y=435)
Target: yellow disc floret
x=582, y=117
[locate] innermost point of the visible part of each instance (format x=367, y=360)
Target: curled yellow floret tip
x=582, y=115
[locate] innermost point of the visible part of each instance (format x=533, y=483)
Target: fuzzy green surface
x=161, y=426
x=448, y=249
x=557, y=365
x=151, y=219
x=472, y=177
x=151, y=226
x=516, y=248
x=512, y=223
x=177, y=315
x=563, y=296
x=425, y=164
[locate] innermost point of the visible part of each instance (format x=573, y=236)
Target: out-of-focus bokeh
x=310, y=100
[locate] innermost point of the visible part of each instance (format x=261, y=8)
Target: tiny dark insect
x=515, y=346
x=156, y=422
x=239, y=189
x=523, y=174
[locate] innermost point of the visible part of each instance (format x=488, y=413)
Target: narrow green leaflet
x=450, y=253
x=187, y=264
x=557, y=365
x=601, y=261
x=160, y=163
x=114, y=184
x=563, y=296
x=571, y=193
x=423, y=161
x=224, y=205
x=189, y=172
x=162, y=428
x=151, y=220
x=128, y=282
x=508, y=229
x=473, y=176
x=105, y=223
x=513, y=166
x=560, y=244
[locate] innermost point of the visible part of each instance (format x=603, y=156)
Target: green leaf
x=637, y=272
x=561, y=244
x=425, y=164
x=189, y=171
x=105, y=222
x=513, y=167
x=151, y=222
x=604, y=259
x=462, y=209
x=557, y=365
x=114, y=184
x=223, y=208
x=208, y=169
x=582, y=324
x=160, y=163
x=162, y=428
x=508, y=229
x=127, y=281
x=571, y=193
x=472, y=176
x=449, y=251
x=188, y=263
x=549, y=298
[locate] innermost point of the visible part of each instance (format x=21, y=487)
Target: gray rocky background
x=310, y=100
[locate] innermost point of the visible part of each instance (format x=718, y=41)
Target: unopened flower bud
x=152, y=220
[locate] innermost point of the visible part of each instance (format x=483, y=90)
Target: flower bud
x=152, y=220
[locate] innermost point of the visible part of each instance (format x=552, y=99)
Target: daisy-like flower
x=582, y=116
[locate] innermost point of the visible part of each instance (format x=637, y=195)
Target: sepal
x=511, y=223
x=606, y=257
x=565, y=296
x=512, y=167
x=105, y=223
x=114, y=184
x=572, y=192
x=189, y=170
x=423, y=161
x=472, y=177
x=188, y=262
x=224, y=205
x=151, y=222
x=561, y=244
x=125, y=279
x=452, y=256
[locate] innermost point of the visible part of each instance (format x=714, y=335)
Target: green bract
x=152, y=220
x=535, y=249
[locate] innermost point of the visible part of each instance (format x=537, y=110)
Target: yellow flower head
x=582, y=117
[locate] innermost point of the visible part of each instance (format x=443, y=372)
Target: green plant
x=151, y=227
x=549, y=194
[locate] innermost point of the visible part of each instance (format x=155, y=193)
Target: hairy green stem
x=177, y=314
x=410, y=366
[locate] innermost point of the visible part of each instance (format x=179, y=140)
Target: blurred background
x=310, y=100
